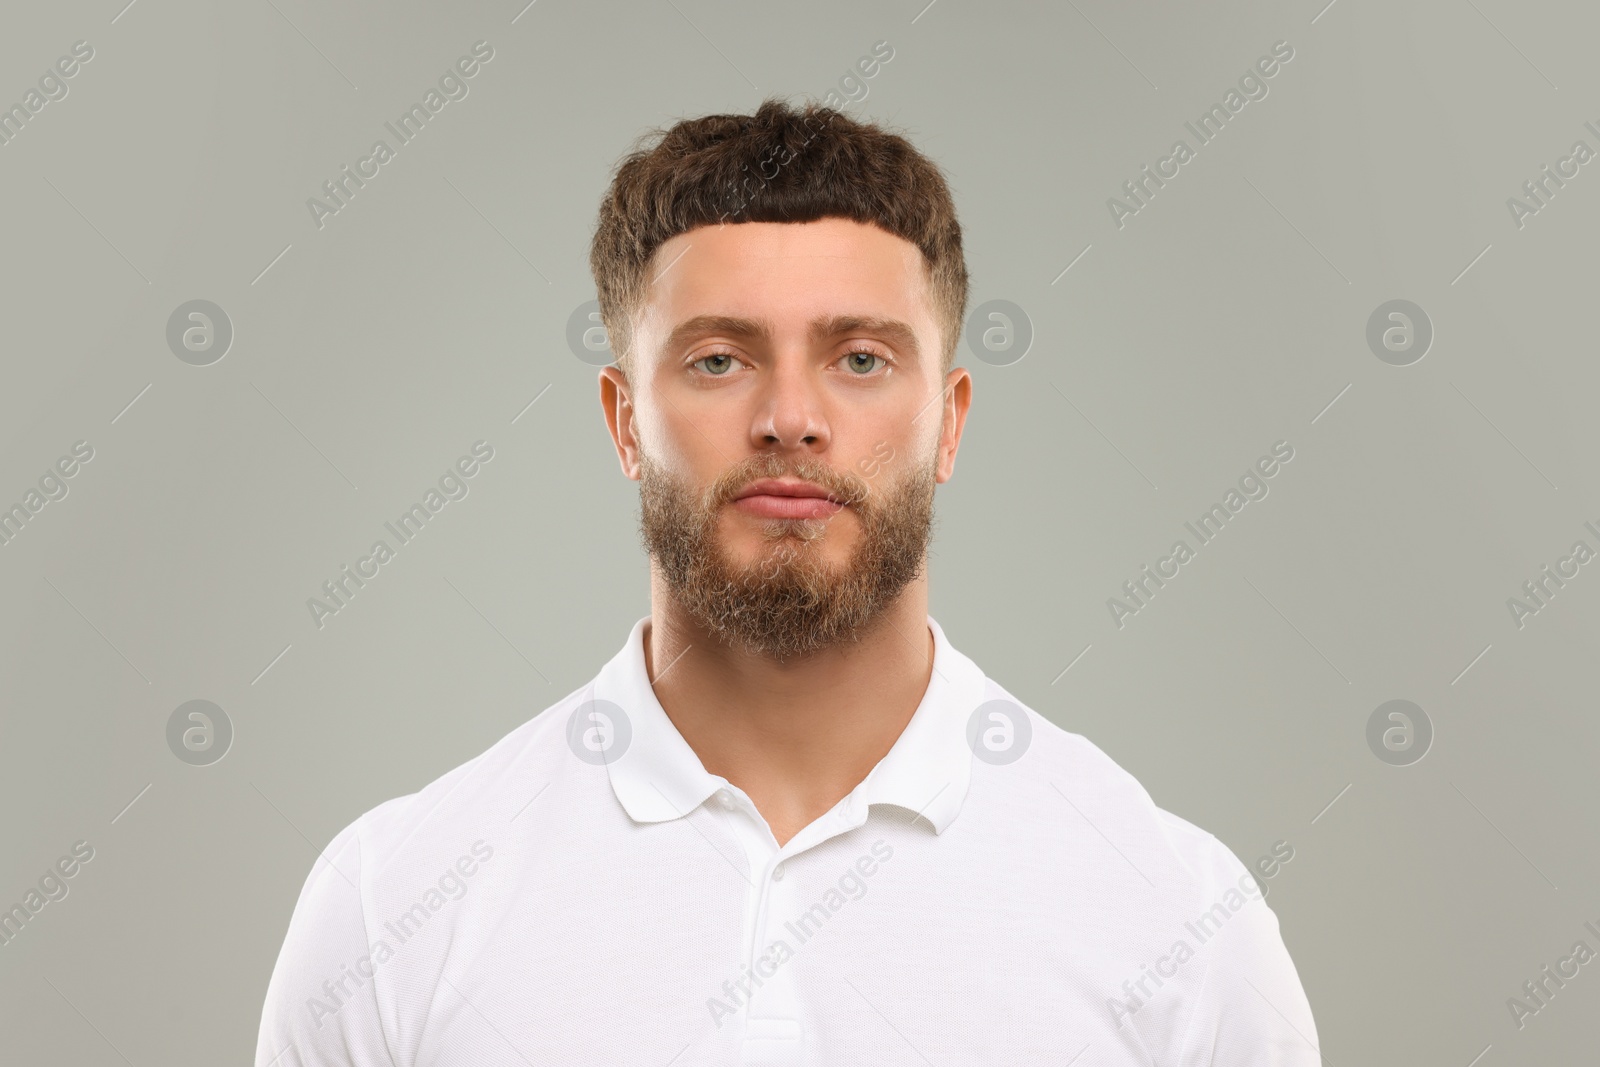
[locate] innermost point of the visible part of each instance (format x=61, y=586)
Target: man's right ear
x=616, y=402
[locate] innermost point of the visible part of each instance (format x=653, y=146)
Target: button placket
x=772, y=1009
x=773, y=1022
x=760, y=942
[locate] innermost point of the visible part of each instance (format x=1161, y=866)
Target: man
x=788, y=823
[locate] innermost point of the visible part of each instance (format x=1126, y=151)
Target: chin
x=752, y=550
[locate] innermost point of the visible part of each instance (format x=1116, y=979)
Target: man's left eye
x=853, y=361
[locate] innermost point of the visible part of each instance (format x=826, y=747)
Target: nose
x=791, y=413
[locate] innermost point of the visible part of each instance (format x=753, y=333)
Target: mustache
x=841, y=486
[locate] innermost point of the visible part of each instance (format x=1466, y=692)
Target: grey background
x=1227, y=315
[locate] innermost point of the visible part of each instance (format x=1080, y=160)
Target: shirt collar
x=658, y=777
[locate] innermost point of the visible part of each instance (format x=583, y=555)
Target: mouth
x=772, y=498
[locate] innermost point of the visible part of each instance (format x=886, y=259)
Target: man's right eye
x=716, y=364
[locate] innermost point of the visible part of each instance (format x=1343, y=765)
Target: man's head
x=784, y=293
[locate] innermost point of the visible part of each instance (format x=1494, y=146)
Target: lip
x=772, y=498
x=781, y=488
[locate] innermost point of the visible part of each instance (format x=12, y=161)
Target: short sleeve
x=321, y=1009
x=1251, y=1010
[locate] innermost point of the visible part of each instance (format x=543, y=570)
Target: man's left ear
x=616, y=404
x=957, y=399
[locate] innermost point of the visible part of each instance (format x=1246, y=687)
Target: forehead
x=788, y=274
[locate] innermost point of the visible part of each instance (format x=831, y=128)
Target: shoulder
x=398, y=862
x=488, y=790
x=1087, y=779
x=1210, y=978
x=392, y=845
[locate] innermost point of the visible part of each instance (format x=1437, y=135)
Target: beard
x=791, y=601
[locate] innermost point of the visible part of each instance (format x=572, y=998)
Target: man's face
x=787, y=422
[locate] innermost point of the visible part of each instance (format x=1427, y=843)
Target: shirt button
x=725, y=799
x=777, y=873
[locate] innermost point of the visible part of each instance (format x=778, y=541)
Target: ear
x=617, y=405
x=957, y=399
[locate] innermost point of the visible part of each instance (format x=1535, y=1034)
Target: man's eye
x=716, y=365
x=854, y=362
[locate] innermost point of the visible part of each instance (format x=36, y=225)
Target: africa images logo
x=341, y=189
x=1252, y=86
x=1253, y=486
x=453, y=485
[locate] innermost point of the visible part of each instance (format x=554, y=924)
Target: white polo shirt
x=995, y=891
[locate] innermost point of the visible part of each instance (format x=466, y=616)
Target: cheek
x=667, y=433
x=916, y=436
x=698, y=445
x=887, y=462
x=674, y=413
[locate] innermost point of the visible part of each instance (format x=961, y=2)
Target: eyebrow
x=899, y=334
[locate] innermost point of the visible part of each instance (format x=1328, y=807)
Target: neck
x=796, y=737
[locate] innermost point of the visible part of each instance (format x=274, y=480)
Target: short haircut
x=781, y=164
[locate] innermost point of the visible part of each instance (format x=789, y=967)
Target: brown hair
x=781, y=164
